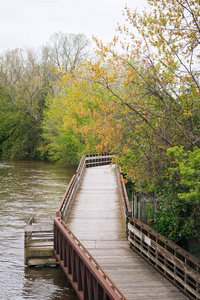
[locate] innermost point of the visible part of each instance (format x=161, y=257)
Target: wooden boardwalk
x=96, y=220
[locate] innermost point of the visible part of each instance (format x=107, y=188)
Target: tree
x=21, y=78
x=18, y=134
x=66, y=120
x=155, y=90
x=180, y=215
x=156, y=77
x=27, y=77
x=66, y=52
x=24, y=87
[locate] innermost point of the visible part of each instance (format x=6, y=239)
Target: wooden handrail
x=81, y=164
x=98, y=160
x=86, y=276
x=66, y=196
x=125, y=196
x=70, y=193
x=89, y=160
x=178, y=265
x=125, y=204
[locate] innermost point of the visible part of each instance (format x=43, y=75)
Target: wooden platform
x=39, y=242
x=96, y=220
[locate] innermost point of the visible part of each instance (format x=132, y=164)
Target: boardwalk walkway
x=96, y=220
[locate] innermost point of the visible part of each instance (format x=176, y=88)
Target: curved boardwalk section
x=96, y=220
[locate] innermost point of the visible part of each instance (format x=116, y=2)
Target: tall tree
x=67, y=119
x=156, y=77
x=66, y=52
x=21, y=78
x=24, y=87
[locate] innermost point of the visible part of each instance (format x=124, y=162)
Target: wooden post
x=139, y=209
x=132, y=199
x=154, y=213
x=135, y=206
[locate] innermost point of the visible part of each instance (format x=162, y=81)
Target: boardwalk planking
x=96, y=220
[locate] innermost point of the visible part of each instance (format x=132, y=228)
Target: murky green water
x=29, y=189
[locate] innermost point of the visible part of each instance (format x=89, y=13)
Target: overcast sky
x=31, y=22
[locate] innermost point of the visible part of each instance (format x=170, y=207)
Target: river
x=29, y=189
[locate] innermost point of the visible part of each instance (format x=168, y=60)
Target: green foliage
x=19, y=137
x=62, y=141
x=188, y=168
x=26, y=78
x=180, y=193
x=64, y=148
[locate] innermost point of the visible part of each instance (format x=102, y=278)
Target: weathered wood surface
x=39, y=245
x=96, y=220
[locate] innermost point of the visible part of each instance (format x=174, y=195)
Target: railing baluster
x=91, y=287
x=61, y=246
x=69, y=259
x=79, y=275
x=85, y=284
x=58, y=242
x=65, y=246
x=74, y=267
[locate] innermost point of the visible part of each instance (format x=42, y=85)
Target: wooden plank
x=41, y=261
x=41, y=243
x=96, y=219
x=39, y=252
x=39, y=228
x=40, y=220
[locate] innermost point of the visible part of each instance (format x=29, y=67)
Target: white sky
x=31, y=22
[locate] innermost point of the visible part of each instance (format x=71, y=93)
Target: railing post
x=132, y=201
x=135, y=206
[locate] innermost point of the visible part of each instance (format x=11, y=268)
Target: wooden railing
x=87, y=161
x=126, y=210
x=66, y=203
x=178, y=265
x=94, y=160
x=86, y=276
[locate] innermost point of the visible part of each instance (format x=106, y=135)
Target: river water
x=29, y=189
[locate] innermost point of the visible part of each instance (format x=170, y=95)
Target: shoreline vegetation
x=135, y=97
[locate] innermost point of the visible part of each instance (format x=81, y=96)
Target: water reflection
x=29, y=189
x=46, y=284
